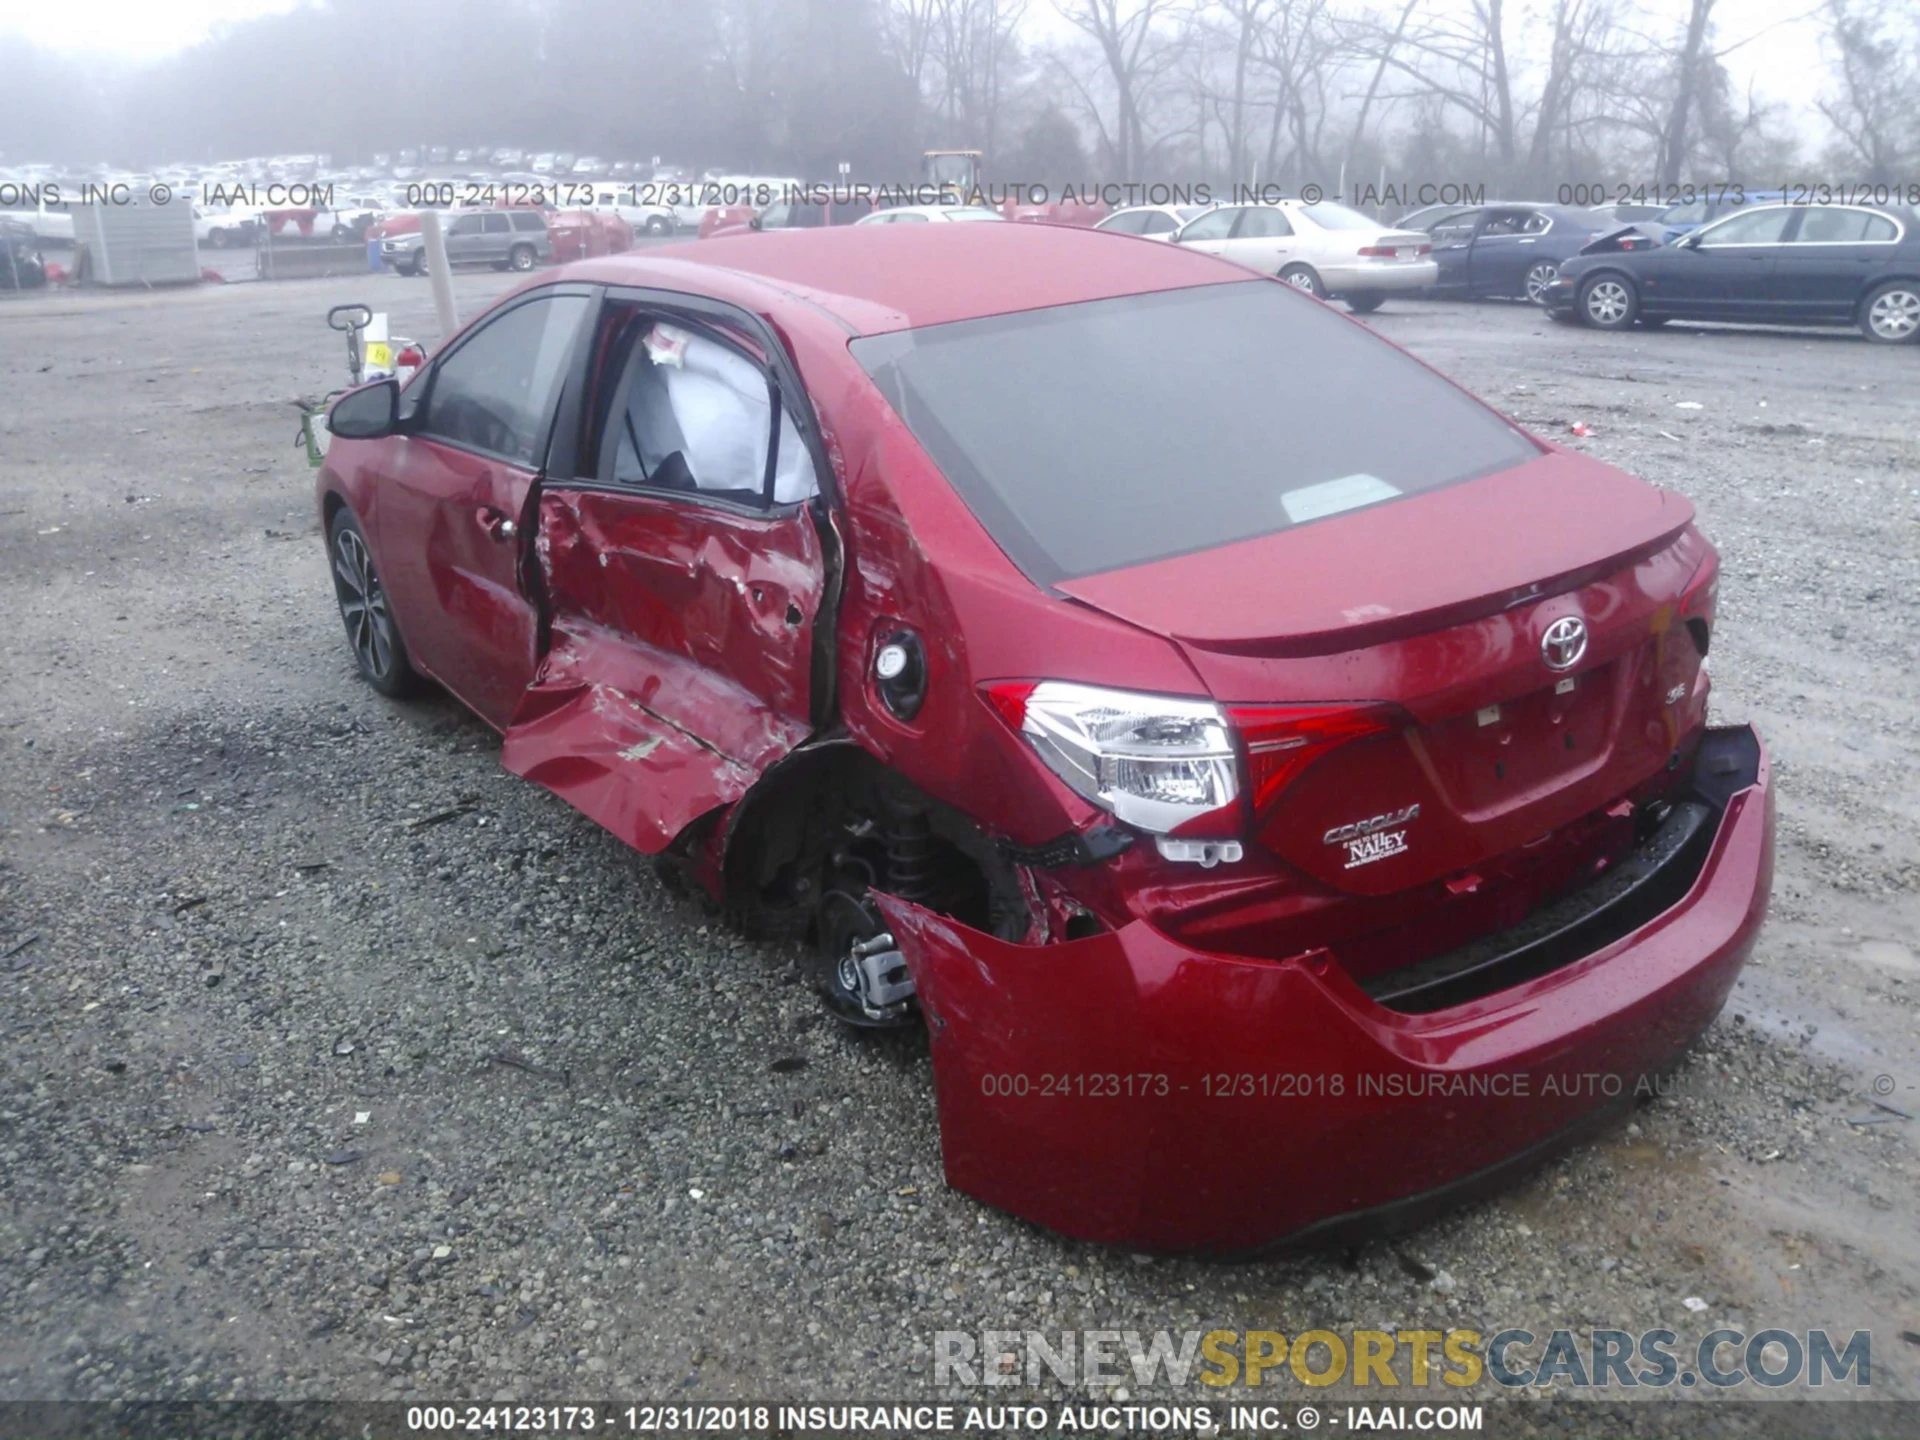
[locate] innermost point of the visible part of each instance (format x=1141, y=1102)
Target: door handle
x=495, y=523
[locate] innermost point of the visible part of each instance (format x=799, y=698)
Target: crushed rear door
x=677, y=667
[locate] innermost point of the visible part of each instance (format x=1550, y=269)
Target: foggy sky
x=142, y=30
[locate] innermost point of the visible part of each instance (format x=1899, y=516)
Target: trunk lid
x=1436, y=609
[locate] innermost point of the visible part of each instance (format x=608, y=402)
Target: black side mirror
x=754, y=223
x=368, y=413
x=1690, y=240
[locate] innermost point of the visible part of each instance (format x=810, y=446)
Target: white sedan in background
x=923, y=214
x=1322, y=248
x=642, y=219
x=1156, y=222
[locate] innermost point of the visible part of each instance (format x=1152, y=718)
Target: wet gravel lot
x=337, y=1062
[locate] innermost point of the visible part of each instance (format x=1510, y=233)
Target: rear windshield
x=1096, y=436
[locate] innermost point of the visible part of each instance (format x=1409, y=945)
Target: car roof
x=873, y=279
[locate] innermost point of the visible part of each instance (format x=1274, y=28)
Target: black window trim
x=785, y=390
x=543, y=446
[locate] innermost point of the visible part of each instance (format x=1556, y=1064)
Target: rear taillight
x=1164, y=764
x=1379, y=252
x=1283, y=740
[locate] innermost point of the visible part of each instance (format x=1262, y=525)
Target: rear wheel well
x=1912, y=282
x=832, y=817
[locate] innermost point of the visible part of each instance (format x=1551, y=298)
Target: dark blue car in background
x=1690, y=215
x=1762, y=264
x=1513, y=250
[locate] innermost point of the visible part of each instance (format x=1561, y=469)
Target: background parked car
x=1157, y=222
x=1512, y=251
x=45, y=219
x=1690, y=215
x=1624, y=214
x=505, y=239
x=641, y=219
x=225, y=228
x=930, y=214
x=21, y=265
x=1322, y=248
x=1769, y=264
x=582, y=234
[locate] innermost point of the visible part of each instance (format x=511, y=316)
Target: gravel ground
x=338, y=1063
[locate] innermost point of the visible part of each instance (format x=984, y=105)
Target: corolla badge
x=1374, y=838
x=1564, y=643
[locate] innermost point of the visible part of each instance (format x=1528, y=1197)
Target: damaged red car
x=1281, y=785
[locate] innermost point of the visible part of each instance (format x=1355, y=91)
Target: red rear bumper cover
x=1130, y=1090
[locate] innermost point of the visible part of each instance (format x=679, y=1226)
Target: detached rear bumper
x=1130, y=1090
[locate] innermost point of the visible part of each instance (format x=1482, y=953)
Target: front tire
x=1539, y=277
x=1607, y=302
x=378, y=651
x=1890, y=315
x=1304, y=277
x=520, y=258
x=658, y=225
x=1366, y=302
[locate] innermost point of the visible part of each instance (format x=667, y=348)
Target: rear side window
x=1261, y=223
x=496, y=224
x=1843, y=226
x=692, y=413
x=1215, y=225
x=528, y=220
x=1097, y=436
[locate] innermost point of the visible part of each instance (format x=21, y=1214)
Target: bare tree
x=977, y=48
x=1871, y=105
x=1380, y=50
x=1136, y=50
x=1689, y=61
x=907, y=28
x=1240, y=23
x=1301, y=53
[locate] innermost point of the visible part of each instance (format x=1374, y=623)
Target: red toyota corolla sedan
x=1281, y=785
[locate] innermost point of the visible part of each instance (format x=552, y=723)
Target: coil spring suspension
x=912, y=860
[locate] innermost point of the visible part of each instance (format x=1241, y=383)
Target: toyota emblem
x=1564, y=643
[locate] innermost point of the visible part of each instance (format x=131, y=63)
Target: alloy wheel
x=1607, y=302
x=1895, y=315
x=363, y=604
x=1538, y=279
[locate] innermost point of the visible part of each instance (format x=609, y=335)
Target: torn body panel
x=1130, y=1089
x=678, y=658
